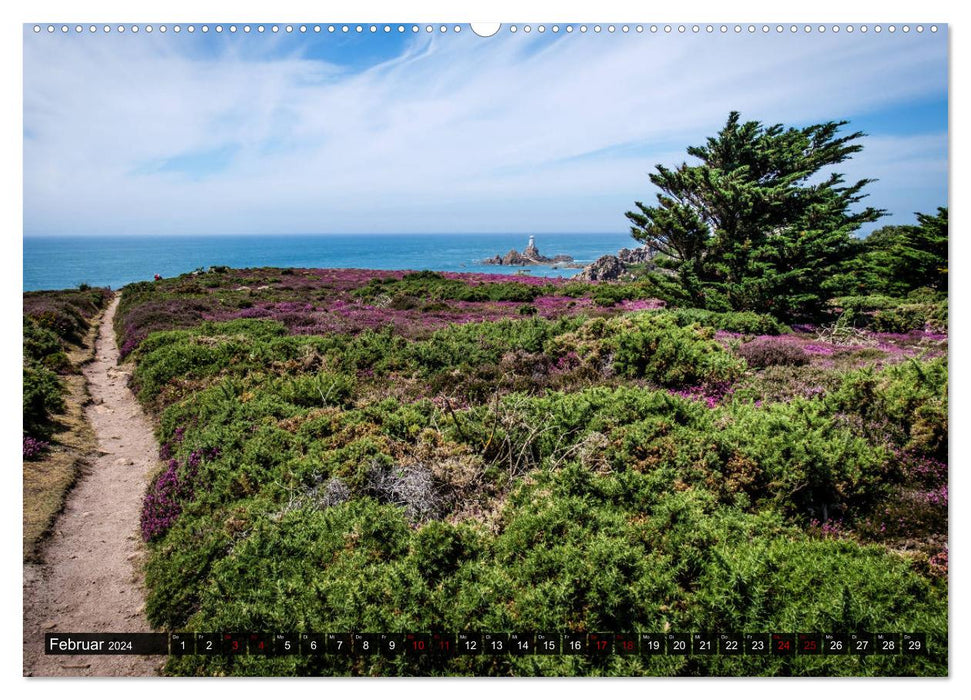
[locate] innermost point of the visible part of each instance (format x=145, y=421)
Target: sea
x=62, y=262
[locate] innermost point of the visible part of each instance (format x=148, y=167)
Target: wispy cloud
x=452, y=133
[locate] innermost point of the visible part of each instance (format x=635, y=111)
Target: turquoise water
x=62, y=262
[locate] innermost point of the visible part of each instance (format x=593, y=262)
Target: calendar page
x=517, y=349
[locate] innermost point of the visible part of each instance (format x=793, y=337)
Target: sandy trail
x=90, y=578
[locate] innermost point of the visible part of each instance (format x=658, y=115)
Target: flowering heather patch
x=809, y=346
x=477, y=278
x=555, y=306
x=864, y=348
x=768, y=351
x=912, y=343
x=728, y=336
x=567, y=362
x=65, y=312
x=711, y=394
x=937, y=563
x=33, y=447
x=818, y=349
x=162, y=504
x=933, y=497
x=924, y=470
x=322, y=302
x=641, y=305
x=171, y=489
x=162, y=315
x=827, y=529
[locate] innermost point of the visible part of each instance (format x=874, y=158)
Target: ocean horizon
x=62, y=262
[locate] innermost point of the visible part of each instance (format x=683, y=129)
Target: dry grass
x=48, y=481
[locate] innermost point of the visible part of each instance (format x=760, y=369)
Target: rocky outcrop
x=609, y=268
x=636, y=256
x=529, y=256
x=605, y=268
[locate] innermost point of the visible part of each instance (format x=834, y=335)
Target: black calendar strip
x=489, y=643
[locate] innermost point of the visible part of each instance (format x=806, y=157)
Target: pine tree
x=757, y=225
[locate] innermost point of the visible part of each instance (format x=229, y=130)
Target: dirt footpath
x=89, y=578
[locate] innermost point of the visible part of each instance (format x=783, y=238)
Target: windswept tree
x=761, y=223
x=896, y=260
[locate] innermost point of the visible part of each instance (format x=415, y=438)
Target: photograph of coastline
x=412, y=352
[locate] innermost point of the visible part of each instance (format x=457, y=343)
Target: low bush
x=747, y=322
x=43, y=347
x=771, y=352
x=910, y=317
x=905, y=405
x=654, y=347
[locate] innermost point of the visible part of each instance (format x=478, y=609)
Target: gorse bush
x=576, y=550
x=43, y=347
x=655, y=347
x=867, y=302
x=732, y=321
x=42, y=399
x=923, y=309
x=904, y=406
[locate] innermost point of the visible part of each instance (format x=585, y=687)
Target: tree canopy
x=761, y=224
x=897, y=260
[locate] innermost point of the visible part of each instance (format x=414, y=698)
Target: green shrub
x=747, y=322
x=654, y=347
x=42, y=399
x=316, y=390
x=43, y=347
x=871, y=302
x=905, y=405
x=66, y=322
x=807, y=461
x=425, y=285
x=901, y=319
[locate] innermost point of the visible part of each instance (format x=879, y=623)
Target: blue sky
x=418, y=132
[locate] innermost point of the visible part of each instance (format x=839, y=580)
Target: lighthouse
x=531, y=247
